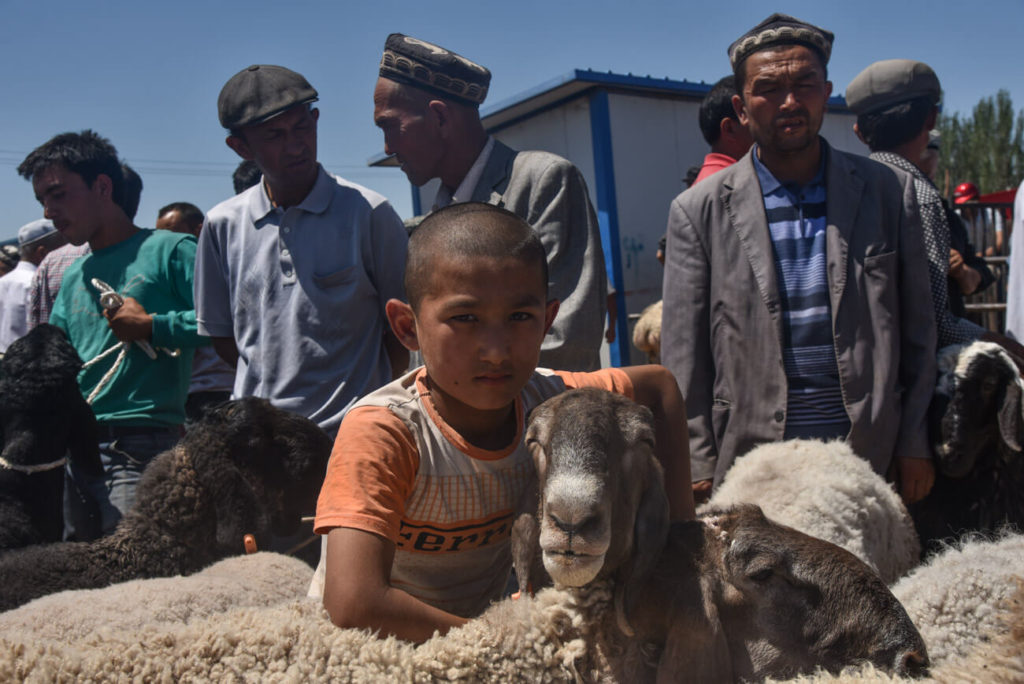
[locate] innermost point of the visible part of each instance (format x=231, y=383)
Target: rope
x=31, y=469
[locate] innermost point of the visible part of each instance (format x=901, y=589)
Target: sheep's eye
x=760, y=575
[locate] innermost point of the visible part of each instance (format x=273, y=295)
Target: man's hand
x=956, y=263
x=917, y=475
x=701, y=491
x=966, y=277
x=130, y=322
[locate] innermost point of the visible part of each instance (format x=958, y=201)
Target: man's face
x=74, y=207
x=410, y=129
x=284, y=147
x=784, y=97
x=175, y=222
x=480, y=326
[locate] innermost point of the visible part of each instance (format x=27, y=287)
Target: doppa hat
x=434, y=69
x=36, y=230
x=261, y=92
x=781, y=29
x=890, y=82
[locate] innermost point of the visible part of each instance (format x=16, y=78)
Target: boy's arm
x=655, y=387
x=358, y=591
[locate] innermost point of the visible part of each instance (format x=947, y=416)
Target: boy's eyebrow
x=460, y=301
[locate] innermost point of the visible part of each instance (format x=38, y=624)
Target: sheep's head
x=788, y=602
x=977, y=406
x=262, y=467
x=602, y=507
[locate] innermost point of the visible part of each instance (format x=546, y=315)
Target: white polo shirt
x=14, y=289
x=302, y=292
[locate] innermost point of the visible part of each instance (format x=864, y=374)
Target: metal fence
x=988, y=227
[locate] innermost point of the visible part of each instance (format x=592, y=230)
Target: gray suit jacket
x=722, y=320
x=549, y=193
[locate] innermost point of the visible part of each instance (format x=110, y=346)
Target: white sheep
x=823, y=489
x=647, y=332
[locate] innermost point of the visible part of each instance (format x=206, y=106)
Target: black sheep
x=977, y=433
x=246, y=468
x=43, y=417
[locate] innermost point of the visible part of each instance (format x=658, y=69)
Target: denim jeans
x=94, y=505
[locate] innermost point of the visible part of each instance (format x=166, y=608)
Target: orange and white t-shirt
x=399, y=471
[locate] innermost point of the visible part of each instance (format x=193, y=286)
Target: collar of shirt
x=901, y=162
x=771, y=185
x=316, y=202
x=464, y=192
x=25, y=265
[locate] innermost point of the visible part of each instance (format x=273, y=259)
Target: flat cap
x=434, y=69
x=36, y=230
x=890, y=82
x=261, y=92
x=780, y=29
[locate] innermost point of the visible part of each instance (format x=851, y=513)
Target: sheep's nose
x=911, y=664
x=570, y=527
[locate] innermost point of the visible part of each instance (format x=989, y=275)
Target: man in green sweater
x=152, y=328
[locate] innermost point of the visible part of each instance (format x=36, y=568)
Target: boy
x=424, y=477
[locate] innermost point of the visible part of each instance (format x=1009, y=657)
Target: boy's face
x=480, y=326
x=74, y=207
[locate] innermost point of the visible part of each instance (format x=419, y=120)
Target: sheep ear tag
x=249, y=542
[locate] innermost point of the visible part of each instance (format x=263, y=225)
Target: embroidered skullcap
x=261, y=92
x=890, y=82
x=781, y=29
x=432, y=68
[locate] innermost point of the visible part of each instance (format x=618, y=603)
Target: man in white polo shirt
x=35, y=241
x=292, y=275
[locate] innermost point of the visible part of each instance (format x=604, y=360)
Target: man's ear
x=828, y=89
x=403, y=323
x=856, y=129
x=240, y=147
x=741, y=111
x=103, y=185
x=550, y=311
x=441, y=114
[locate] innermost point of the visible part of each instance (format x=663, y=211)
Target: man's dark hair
x=87, y=154
x=190, y=213
x=469, y=230
x=715, y=106
x=739, y=71
x=889, y=128
x=246, y=175
x=132, y=191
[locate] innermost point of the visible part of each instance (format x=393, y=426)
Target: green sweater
x=155, y=267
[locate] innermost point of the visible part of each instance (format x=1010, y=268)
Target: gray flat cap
x=890, y=82
x=261, y=92
x=781, y=29
x=432, y=68
x=36, y=230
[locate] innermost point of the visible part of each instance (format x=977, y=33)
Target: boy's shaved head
x=465, y=231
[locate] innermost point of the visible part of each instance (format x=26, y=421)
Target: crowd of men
x=794, y=272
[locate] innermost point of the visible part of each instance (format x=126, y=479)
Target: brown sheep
x=730, y=596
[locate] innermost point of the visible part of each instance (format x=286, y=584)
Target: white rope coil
x=31, y=469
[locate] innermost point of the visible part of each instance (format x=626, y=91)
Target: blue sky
x=147, y=74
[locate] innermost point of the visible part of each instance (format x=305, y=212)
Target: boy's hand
x=130, y=322
x=701, y=491
x=917, y=475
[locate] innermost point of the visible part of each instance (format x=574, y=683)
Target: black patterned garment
x=950, y=328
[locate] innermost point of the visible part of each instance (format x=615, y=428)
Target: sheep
x=247, y=468
x=977, y=431
x=823, y=489
x=732, y=595
x=647, y=332
x=43, y=416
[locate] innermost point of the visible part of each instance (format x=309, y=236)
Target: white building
x=633, y=137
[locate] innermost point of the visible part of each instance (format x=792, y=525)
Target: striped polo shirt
x=797, y=224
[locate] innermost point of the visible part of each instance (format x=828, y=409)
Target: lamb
x=43, y=416
x=978, y=432
x=823, y=489
x=247, y=468
x=729, y=596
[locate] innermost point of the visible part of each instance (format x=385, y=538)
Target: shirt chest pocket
x=337, y=279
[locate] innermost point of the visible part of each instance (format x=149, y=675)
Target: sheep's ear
x=526, y=562
x=650, y=529
x=695, y=647
x=83, y=438
x=1011, y=422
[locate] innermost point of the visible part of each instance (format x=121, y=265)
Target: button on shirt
x=302, y=291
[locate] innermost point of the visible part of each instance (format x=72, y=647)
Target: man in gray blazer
x=796, y=298
x=426, y=103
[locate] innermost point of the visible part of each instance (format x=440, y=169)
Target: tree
x=986, y=148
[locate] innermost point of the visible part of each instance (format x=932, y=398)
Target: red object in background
x=1001, y=197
